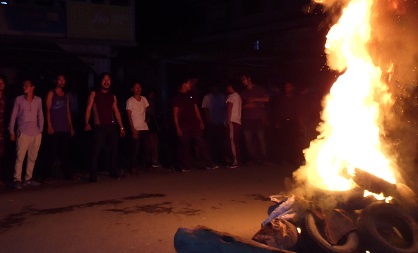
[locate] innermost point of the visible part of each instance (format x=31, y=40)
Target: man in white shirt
x=136, y=107
x=233, y=123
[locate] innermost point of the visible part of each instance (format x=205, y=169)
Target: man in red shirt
x=189, y=126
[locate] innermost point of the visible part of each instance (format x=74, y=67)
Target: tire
x=387, y=228
x=348, y=244
x=348, y=200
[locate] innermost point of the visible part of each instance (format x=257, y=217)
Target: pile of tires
x=380, y=227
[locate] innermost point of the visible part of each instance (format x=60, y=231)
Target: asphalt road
x=139, y=213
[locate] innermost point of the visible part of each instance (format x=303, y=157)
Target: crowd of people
x=233, y=124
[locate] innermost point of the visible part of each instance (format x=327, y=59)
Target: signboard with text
x=32, y=20
x=99, y=21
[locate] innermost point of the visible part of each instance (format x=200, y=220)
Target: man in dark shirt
x=105, y=107
x=289, y=123
x=189, y=126
x=254, y=98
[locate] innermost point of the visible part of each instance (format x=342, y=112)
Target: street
x=139, y=213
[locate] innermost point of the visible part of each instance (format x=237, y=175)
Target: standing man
x=105, y=108
x=189, y=126
x=214, y=109
x=233, y=124
x=60, y=127
x=290, y=124
x=136, y=107
x=27, y=111
x=254, y=98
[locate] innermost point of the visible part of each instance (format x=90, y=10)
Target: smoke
x=394, y=48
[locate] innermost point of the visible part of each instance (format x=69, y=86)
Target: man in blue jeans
x=27, y=111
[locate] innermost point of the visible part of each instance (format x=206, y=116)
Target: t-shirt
x=29, y=116
x=235, y=100
x=103, y=108
x=138, y=109
x=187, y=114
x=215, y=104
x=256, y=112
x=59, y=113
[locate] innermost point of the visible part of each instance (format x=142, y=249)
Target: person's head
x=136, y=89
x=59, y=81
x=28, y=87
x=215, y=89
x=246, y=80
x=230, y=86
x=186, y=85
x=105, y=81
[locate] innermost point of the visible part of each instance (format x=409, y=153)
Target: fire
x=349, y=135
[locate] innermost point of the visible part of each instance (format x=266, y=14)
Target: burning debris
x=351, y=223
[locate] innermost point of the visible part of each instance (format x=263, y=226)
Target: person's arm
x=205, y=108
x=199, y=117
x=131, y=123
x=48, y=103
x=13, y=120
x=40, y=116
x=90, y=102
x=70, y=121
x=176, y=111
x=117, y=116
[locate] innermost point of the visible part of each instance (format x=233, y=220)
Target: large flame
x=350, y=130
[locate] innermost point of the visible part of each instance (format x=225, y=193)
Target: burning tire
x=348, y=244
x=387, y=228
x=349, y=200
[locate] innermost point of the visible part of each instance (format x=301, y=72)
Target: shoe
x=156, y=165
x=17, y=184
x=30, y=182
x=212, y=167
x=27, y=182
x=232, y=166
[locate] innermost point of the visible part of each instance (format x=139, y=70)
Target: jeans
x=141, y=147
x=104, y=137
x=255, y=139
